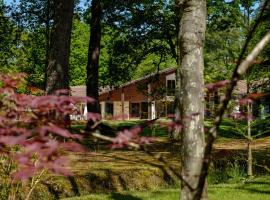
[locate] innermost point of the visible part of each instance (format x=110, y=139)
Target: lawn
x=103, y=173
x=257, y=189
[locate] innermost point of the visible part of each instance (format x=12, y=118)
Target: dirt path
x=240, y=144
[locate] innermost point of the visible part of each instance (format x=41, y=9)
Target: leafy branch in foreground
x=34, y=130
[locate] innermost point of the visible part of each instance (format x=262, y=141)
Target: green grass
x=154, y=131
x=257, y=189
x=229, y=179
x=226, y=129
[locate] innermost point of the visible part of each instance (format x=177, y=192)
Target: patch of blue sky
x=83, y=3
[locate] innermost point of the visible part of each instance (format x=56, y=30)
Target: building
x=145, y=98
x=149, y=97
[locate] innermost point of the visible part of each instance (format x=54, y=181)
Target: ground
x=104, y=173
x=258, y=190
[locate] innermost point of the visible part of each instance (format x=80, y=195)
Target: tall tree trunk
x=93, y=56
x=57, y=69
x=249, y=147
x=249, y=142
x=47, y=39
x=249, y=105
x=191, y=41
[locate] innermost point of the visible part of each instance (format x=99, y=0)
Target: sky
x=82, y=2
x=10, y=1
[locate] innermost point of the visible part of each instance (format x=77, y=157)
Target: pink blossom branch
x=110, y=139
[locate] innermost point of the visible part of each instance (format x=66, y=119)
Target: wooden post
x=123, y=103
x=149, y=101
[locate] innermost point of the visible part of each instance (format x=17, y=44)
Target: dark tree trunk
x=57, y=69
x=93, y=56
x=191, y=43
x=47, y=39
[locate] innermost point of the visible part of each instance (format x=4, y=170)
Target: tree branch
x=252, y=56
x=110, y=139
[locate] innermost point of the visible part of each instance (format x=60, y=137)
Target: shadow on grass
x=256, y=191
x=118, y=196
x=252, y=187
x=74, y=185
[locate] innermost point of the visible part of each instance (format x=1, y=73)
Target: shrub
x=34, y=129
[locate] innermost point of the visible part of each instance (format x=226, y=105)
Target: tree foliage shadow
x=74, y=185
x=118, y=196
x=55, y=193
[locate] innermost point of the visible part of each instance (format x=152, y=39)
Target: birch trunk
x=191, y=41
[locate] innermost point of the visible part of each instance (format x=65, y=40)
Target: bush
x=227, y=171
x=37, y=126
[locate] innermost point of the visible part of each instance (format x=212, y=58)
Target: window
x=144, y=110
x=170, y=87
x=135, y=110
x=109, y=108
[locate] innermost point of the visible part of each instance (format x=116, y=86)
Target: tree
x=30, y=57
x=224, y=38
x=191, y=43
x=248, y=16
x=78, y=52
x=57, y=69
x=36, y=18
x=93, y=56
x=8, y=39
x=241, y=68
x=134, y=31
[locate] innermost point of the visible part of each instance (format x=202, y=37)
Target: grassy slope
x=125, y=160
x=258, y=189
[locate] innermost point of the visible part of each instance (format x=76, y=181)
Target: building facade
x=147, y=98
x=151, y=97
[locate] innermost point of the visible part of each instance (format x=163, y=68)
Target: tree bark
x=57, y=69
x=47, y=40
x=93, y=56
x=249, y=142
x=191, y=42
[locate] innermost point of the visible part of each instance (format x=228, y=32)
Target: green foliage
x=239, y=129
x=78, y=54
x=138, y=38
x=226, y=171
x=141, y=35
x=8, y=40
x=31, y=57
x=224, y=39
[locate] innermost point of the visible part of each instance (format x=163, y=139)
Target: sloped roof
x=240, y=89
x=81, y=90
x=164, y=71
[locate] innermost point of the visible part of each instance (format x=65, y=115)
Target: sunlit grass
x=257, y=189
